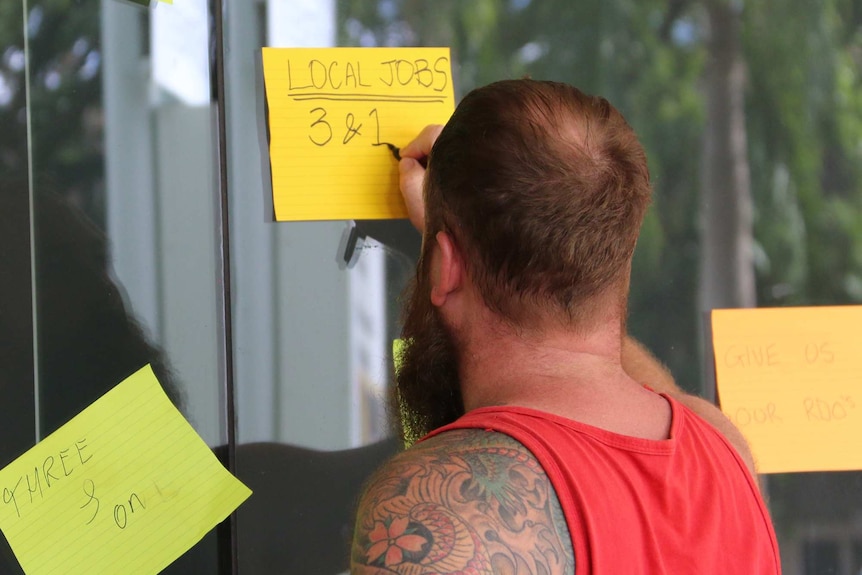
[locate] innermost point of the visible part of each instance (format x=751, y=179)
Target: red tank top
x=684, y=505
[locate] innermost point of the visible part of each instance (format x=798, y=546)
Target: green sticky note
x=126, y=486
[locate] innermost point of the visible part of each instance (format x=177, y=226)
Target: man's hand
x=412, y=173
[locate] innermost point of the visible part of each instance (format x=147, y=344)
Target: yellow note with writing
x=126, y=486
x=791, y=381
x=330, y=114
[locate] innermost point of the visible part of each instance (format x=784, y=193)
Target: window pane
x=17, y=386
x=312, y=335
x=126, y=245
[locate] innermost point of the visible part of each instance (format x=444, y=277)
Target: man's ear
x=447, y=271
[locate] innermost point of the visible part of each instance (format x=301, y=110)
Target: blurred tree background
x=751, y=114
x=65, y=90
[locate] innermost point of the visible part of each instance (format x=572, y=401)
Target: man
x=547, y=452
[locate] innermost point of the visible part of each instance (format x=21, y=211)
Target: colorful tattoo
x=467, y=502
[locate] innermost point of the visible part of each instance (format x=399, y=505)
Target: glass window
x=16, y=331
x=113, y=252
x=109, y=198
x=312, y=330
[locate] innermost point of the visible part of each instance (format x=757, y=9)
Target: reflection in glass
x=119, y=189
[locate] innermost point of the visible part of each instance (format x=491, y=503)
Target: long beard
x=427, y=390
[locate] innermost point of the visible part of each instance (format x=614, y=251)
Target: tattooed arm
x=466, y=501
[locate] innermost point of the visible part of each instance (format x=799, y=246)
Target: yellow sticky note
x=126, y=486
x=330, y=112
x=791, y=381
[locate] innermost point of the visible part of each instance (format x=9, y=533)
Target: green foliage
x=805, y=132
x=13, y=135
x=65, y=94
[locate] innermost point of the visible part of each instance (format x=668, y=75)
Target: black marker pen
x=396, y=153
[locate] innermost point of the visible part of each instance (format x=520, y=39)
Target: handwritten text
x=44, y=476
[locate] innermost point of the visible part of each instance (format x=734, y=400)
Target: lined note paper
x=791, y=381
x=330, y=113
x=126, y=486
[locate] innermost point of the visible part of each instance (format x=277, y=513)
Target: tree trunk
x=727, y=263
x=727, y=266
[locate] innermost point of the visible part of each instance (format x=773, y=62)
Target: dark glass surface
x=118, y=188
x=96, y=185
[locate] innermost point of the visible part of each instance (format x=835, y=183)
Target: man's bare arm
x=465, y=501
x=412, y=173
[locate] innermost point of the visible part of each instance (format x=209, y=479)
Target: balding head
x=544, y=188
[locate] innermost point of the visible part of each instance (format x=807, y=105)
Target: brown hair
x=544, y=188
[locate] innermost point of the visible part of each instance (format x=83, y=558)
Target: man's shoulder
x=460, y=499
x=467, y=441
x=721, y=423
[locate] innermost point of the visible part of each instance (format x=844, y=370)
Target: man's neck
x=502, y=365
x=575, y=375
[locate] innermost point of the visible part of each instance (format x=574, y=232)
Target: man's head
x=541, y=190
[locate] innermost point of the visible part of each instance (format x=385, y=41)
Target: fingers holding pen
x=412, y=161
x=420, y=147
x=411, y=169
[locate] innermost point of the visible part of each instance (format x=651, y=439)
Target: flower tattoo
x=391, y=542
